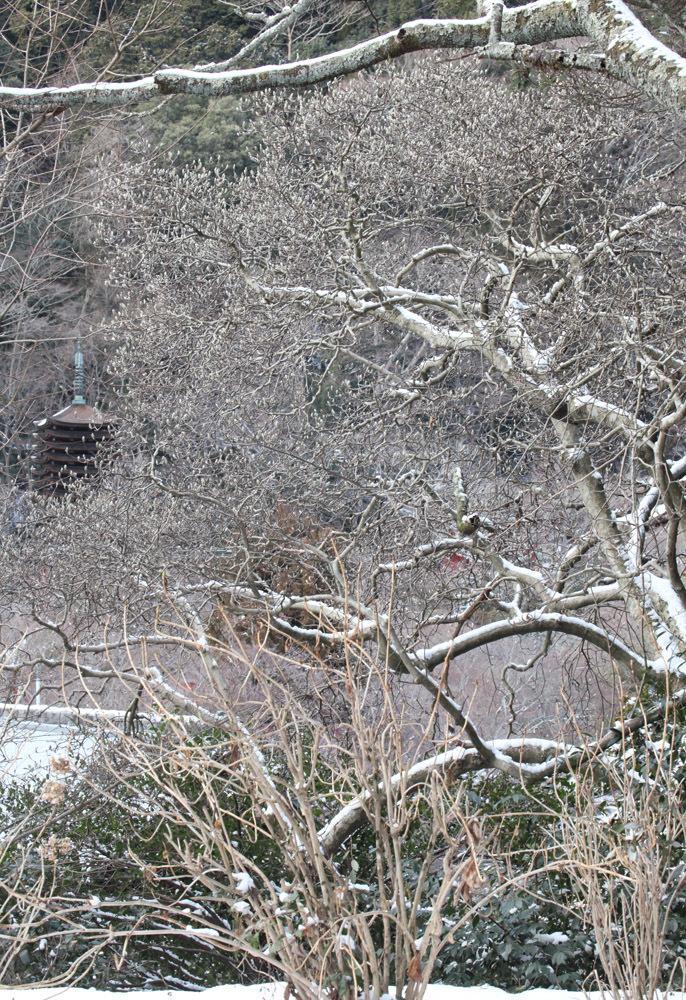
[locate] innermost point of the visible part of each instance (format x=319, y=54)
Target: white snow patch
x=666, y=592
x=634, y=32
x=276, y=991
x=669, y=644
x=557, y=937
x=202, y=931
x=346, y=941
x=29, y=746
x=244, y=884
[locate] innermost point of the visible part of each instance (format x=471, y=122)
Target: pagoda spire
x=68, y=443
x=79, y=398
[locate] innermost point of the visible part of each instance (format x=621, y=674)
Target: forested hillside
x=51, y=271
x=343, y=521
x=51, y=282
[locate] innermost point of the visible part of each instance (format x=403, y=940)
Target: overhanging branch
x=629, y=52
x=527, y=624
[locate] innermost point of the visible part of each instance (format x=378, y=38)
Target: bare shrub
x=624, y=852
x=244, y=815
x=339, y=862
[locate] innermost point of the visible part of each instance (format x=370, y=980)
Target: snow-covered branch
x=629, y=52
x=535, y=760
x=633, y=54
x=531, y=623
x=456, y=763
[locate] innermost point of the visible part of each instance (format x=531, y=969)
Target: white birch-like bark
x=633, y=54
x=628, y=51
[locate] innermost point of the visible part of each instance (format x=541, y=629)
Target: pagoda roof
x=76, y=413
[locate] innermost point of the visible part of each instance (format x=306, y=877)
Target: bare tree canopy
x=354, y=383
x=394, y=485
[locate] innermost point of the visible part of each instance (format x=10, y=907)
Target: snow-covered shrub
x=625, y=851
x=244, y=820
x=592, y=868
x=190, y=855
x=77, y=895
x=205, y=854
x=526, y=933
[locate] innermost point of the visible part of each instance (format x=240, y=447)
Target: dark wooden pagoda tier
x=68, y=446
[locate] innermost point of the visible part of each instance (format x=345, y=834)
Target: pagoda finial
x=79, y=399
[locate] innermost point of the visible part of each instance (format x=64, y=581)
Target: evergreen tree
x=400, y=11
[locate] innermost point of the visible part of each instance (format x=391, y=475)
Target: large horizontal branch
x=629, y=52
x=528, y=624
x=456, y=762
x=546, y=59
x=537, y=22
x=57, y=99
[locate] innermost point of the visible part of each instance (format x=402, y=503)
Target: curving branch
x=529, y=624
x=471, y=334
x=629, y=52
x=633, y=54
x=534, y=760
x=455, y=763
x=273, y=26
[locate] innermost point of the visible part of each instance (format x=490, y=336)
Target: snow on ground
x=28, y=746
x=275, y=991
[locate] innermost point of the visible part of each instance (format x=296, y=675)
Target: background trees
x=399, y=404
x=480, y=411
